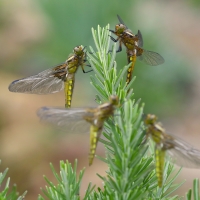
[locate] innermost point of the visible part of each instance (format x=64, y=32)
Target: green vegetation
x=5, y=192
x=131, y=170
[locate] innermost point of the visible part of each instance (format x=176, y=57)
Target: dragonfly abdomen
x=69, y=86
x=131, y=59
x=160, y=161
x=94, y=135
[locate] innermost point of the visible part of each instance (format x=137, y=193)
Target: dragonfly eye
x=114, y=100
x=78, y=50
x=120, y=28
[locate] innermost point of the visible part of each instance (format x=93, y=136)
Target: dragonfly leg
x=120, y=48
x=144, y=140
x=84, y=70
x=111, y=31
x=113, y=39
x=87, y=71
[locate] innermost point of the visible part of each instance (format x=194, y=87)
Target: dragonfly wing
x=184, y=154
x=43, y=83
x=140, y=40
x=151, y=58
x=121, y=21
x=72, y=120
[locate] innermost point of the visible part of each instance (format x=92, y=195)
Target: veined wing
x=43, y=83
x=151, y=58
x=72, y=120
x=140, y=40
x=121, y=21
x=183, y=153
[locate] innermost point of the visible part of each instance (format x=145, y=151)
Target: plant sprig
x=5, y=194
x=68, y=186
x=131, y=168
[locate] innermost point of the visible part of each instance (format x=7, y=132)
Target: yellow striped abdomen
x=69, y=86
x=93, y=142
x=131, y=59
x=160, y=161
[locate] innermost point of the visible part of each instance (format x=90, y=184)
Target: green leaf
x=68, y=184
x=4, y=193
x=196, y=189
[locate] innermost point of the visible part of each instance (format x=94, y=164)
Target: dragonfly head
x=79, y=50
x=150, y=119
x=114, y=100
x=119, y=29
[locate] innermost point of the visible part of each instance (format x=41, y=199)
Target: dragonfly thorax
x=155, y=134
x=114, y=100
x=129, y=34
x=105, y=110
x=72, y=68
x=130, y=41
x=74, y=61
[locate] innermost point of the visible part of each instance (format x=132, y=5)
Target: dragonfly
x=75, y=119
x=134, y=47
x=55, y=79
x=183, y=153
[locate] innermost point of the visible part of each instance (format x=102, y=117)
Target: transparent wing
x=72, y=120
x=183, y=153
x=151, y=58
x=121, y=21
x=140, y=40
x=43, y=83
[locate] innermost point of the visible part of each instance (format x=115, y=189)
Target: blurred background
x=36, y=35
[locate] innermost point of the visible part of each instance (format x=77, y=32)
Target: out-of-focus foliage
x=68, y=23
x=6, y=193
x=195, y=3
x=193, y=194
x=36, y=35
